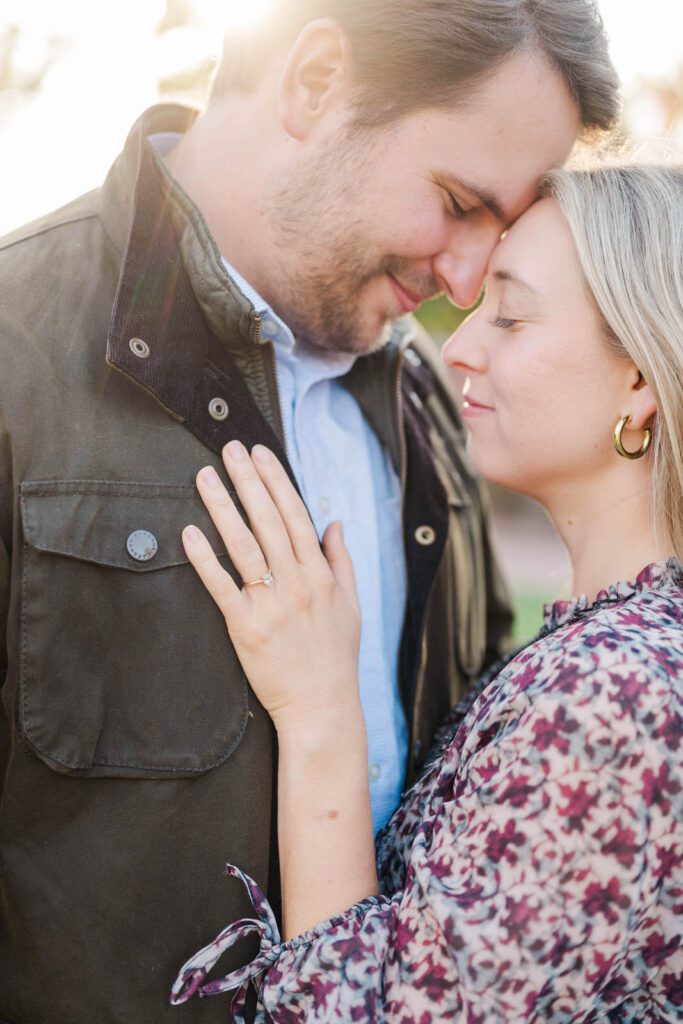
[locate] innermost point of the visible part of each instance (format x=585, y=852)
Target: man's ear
x=315, y=77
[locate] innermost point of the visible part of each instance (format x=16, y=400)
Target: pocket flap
x=93, y=519
x=123, y=673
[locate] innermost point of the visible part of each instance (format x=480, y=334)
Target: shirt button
x=218, y=409
x=139, y=348
x=324, y=506
x=142, y=545
x=425, y=535
x=412, y=357
x=375, y=772
x=269, y=326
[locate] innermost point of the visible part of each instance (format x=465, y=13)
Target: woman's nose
x=464, y=350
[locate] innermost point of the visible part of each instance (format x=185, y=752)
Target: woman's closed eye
x=505, y=323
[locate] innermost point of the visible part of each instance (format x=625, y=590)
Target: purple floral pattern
x=535, y=872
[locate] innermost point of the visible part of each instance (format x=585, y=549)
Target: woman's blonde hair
x=627, y=224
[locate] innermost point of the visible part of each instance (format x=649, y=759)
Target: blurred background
x=74, y=76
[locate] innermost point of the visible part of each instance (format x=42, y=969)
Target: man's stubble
x=326, y=252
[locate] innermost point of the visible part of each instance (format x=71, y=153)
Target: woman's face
x=544, y=390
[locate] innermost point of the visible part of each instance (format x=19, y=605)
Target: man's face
x=372, y=223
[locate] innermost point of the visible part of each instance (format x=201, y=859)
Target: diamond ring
x=267, y=581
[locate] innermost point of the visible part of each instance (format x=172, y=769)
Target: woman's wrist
x=325, y=821
x=321, y=728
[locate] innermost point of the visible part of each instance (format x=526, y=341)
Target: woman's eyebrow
x=509, y=275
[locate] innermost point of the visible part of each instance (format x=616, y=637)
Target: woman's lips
x=407, y=300
x=471, y=408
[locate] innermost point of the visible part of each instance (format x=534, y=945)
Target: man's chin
x=362, y=343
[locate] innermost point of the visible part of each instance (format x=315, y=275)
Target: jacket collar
x=161, y=298
x=139, y=180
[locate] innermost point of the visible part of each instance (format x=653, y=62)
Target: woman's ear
x=642, y=406
x=315, y=77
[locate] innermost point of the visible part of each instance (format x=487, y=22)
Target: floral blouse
x=535, y=872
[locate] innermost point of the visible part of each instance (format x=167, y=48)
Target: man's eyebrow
x=508, y=275
x=488, y=199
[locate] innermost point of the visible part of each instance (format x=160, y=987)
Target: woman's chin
x=496, y=470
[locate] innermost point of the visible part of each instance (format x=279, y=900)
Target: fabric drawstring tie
x=191, y=977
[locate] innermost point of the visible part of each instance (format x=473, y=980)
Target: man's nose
x=461, y=268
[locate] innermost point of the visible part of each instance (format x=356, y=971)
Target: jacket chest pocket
x=126, y=666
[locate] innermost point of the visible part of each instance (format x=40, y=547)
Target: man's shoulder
x=84, y=208
x=54, y=271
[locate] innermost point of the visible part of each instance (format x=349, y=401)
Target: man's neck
x=218, y=167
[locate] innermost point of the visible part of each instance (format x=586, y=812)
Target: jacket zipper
x=278, y=410
x=255, y=339
x=400, y=421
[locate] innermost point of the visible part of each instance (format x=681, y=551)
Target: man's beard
x=326, y=299
x=322, y=265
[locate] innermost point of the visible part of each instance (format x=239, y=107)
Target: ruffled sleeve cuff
x=191, y=979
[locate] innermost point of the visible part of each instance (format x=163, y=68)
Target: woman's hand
x=298, y=638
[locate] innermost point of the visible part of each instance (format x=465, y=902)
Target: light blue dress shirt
x=345, y=473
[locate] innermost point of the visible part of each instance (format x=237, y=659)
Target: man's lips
x=407, y=299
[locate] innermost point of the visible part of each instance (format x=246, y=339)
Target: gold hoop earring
x=618, y=444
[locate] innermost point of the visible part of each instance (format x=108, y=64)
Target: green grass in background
x=440, y=317
x=528, y=609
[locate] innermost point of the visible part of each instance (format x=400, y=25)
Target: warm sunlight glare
x=235, y=15
x=644, y=39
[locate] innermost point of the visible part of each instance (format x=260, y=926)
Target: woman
x=535, y=872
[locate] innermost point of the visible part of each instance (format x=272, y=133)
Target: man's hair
x=418, y=54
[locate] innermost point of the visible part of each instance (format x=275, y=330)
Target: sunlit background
x=75, y=74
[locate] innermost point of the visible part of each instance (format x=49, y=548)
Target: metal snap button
x=139, y=348
x=425, y=535
x=142, y=545
x=218, y=409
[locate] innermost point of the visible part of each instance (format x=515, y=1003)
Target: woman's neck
x=608, y=532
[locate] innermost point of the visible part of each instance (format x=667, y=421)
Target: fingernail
x=192, y=534
x=236, y=451
x=211, y=477
x=261, y=453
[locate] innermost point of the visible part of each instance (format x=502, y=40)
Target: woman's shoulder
x=639, y=621
x=619, y=657
x=639, y=624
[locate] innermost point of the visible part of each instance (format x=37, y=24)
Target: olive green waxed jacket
x=134, y=759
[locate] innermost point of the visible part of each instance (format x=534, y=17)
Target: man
x=238, y=276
